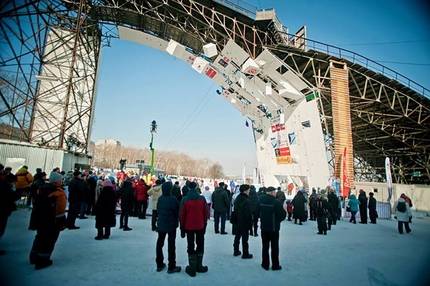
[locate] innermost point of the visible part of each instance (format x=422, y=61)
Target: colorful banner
x=280, y=142
x=346, y=185
x=389, y=179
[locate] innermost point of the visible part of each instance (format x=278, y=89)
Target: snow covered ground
x=349, y=255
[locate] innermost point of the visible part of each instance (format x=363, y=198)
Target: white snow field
x=361, y=254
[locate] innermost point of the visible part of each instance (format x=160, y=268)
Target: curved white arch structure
x=281, y=106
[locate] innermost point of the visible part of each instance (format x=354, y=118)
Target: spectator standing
x=253, y=197
x=193, y=217
x=50, y=207
x=24, y=180
x=299, y=207
x=403, y=214
x=271, y=215
x=168, y=216
x=141, y=189
x=7, y=200
x=353, y=204
x=105, y=211
x=127, y=197
x=372, y=208
x=176, y=191
x=221, y=205
x=242, y=219
x=76, y=196
x=363, y=207
x=208, y=197
x=155, y=192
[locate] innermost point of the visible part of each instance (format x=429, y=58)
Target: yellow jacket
x=24, y=179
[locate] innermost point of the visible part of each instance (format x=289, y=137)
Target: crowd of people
x=186, y=207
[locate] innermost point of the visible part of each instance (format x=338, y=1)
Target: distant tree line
x=172, y=162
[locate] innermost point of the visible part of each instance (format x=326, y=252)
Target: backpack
x=401, y=207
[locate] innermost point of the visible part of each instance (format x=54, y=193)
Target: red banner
x=345, y=185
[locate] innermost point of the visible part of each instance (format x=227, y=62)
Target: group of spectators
x=187, y=208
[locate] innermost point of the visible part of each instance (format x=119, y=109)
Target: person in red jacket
x=141, y=191
x=193, y=215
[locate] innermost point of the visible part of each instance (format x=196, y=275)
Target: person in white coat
x=403, y=213
x=208, y=197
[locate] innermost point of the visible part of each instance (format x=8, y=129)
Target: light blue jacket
x=353, y=203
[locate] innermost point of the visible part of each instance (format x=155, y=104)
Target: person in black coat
x=176, y=191
x=34, y=188
x=363, y=206
x=271, y=213
x=334, y=201
x=322, y=211
x=242, y=221
x=372, y=208
x=299, y=207
x=127, y=198
x=105, y=211
x=185, y=188
x=76, y=196
x=253, y=197
x=7, y=201
x=168, y=218
x=221, y=205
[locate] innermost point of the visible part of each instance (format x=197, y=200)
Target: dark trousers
x=197, y=237
x=400, y=226
x=90, y=207
x=270, y=240
x=154, y=219
x=217, y=216
x=254, y=223
x=321, y=223
x=141, y=208
x=72, y=214
x=363, y=214
x=333, y=217
x=312, y=215
x=372, y=216
x=123, y=219
x=43, y=244
x=83, y=209
x=352, y=219
x=3, y=223
x=171, y=249
x=290, y=214
x=100, y=232
x=338, y=213
x=244, y=235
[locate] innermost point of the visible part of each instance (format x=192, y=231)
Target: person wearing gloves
x=193, y=216
x=50, y=215
x=168, y=216
x=403, y=213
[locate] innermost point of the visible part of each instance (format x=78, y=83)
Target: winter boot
x=191, y=268
x=33, y=257
x=200, y=268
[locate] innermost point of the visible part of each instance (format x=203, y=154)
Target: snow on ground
x=349, y=254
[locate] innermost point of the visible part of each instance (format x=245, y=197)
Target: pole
x=151, y=170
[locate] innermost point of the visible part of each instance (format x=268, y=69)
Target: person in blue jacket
x=353, y=204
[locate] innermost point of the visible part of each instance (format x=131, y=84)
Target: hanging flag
x=389, y=180
x=243, y=173
x=346, y=186
x=246, y=123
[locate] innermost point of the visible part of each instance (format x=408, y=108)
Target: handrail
x=240, y=7
x=367, y=63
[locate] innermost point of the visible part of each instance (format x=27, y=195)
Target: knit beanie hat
x=55, y=177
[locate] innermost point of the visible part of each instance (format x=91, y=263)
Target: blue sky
x=138, y=84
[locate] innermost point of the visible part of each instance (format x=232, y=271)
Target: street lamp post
x=153, y=130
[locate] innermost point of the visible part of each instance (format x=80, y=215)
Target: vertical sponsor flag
x=346, y=186
x=389, y=180
x=243, y=173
